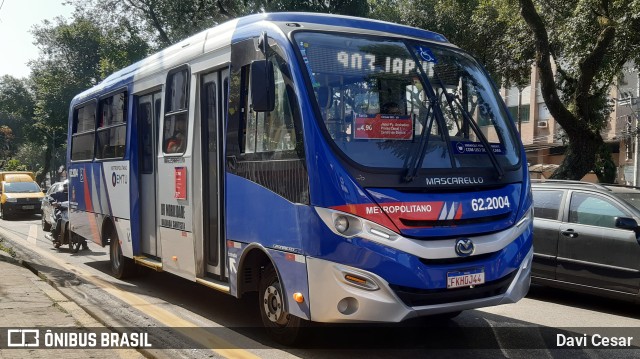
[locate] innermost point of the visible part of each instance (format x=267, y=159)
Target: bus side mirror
x=262, y=86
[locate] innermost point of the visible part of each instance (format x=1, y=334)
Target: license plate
x=466, y=278
x=28, y=207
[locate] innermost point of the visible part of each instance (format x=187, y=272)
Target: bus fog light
x=348, y=306
x=341, y=223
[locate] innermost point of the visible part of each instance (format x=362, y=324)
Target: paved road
x=153, y=300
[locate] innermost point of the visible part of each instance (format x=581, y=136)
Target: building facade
x=544, y=139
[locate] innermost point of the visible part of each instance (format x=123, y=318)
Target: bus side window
x=176, y=112
x=271, y=131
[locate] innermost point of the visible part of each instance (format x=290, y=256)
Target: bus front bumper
x=343, y=294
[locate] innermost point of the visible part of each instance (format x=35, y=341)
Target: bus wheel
x=121, y=267
x=281, y=326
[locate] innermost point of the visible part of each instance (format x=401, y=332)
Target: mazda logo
x=464, y=247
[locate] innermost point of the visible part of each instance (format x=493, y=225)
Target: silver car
x=58, y=192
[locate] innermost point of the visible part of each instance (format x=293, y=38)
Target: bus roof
x=227, y=33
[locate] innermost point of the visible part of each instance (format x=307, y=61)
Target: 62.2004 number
x=489, y=203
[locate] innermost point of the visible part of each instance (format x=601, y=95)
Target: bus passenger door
x=213, y=102
x=148, y=117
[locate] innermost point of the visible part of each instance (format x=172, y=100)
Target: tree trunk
x=580, y=157
x=47, y=164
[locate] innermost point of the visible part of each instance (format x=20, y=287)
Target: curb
x=73, y=308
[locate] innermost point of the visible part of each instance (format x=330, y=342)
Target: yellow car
x=19, y=193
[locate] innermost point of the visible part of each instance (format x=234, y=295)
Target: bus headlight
x=341, y=223
x=13, y=200
x=348, y=225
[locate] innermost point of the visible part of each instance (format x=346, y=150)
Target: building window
x=524, y=113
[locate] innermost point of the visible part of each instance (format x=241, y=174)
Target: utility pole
x=518, y=112
x=634, y=115
x=53, y=157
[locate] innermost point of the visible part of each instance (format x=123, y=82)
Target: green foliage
x=165, y=22
x=343, y=7
x=16, y=107
x=14, y=165
x=73, y=57
x=589, y=42
x=6, y=142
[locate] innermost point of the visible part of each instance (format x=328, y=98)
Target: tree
x=589, y=42
x=160, y=22
x=165, y=22
x=343, y=7
x=14, y=165
x=73, y=57
x=6, y=140
x=31, y=155
x=16, y=108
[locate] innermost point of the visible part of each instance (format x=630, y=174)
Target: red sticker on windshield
x=383, y=127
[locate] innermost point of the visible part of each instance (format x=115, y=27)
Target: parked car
x=586, y=237
x=58, y=192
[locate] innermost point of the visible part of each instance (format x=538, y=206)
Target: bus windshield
x=396, y=104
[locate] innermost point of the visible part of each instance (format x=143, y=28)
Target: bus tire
x=281, y=326
x=121, y=266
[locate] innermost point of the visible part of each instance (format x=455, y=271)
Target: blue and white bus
x=347, y=170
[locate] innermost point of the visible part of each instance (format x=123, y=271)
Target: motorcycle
x=60, y=234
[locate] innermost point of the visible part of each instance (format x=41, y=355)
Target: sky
x=17, y=17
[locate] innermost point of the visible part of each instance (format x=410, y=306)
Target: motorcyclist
x=62, y=195
x=56, y=227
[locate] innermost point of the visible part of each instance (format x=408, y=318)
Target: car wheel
x=282, y=327
x=121, y=266
x=45, y=225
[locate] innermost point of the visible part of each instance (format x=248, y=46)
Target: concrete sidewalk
x=28, y=302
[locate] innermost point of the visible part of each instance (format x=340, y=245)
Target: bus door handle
x=569, y=233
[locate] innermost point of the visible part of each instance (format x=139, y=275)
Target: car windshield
x=412, y=104
x=633, y=198
x=21, y=187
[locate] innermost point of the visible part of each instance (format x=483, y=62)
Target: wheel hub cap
x=272, y=301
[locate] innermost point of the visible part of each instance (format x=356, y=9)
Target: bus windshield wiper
x=418, y=155
x=466, y=116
